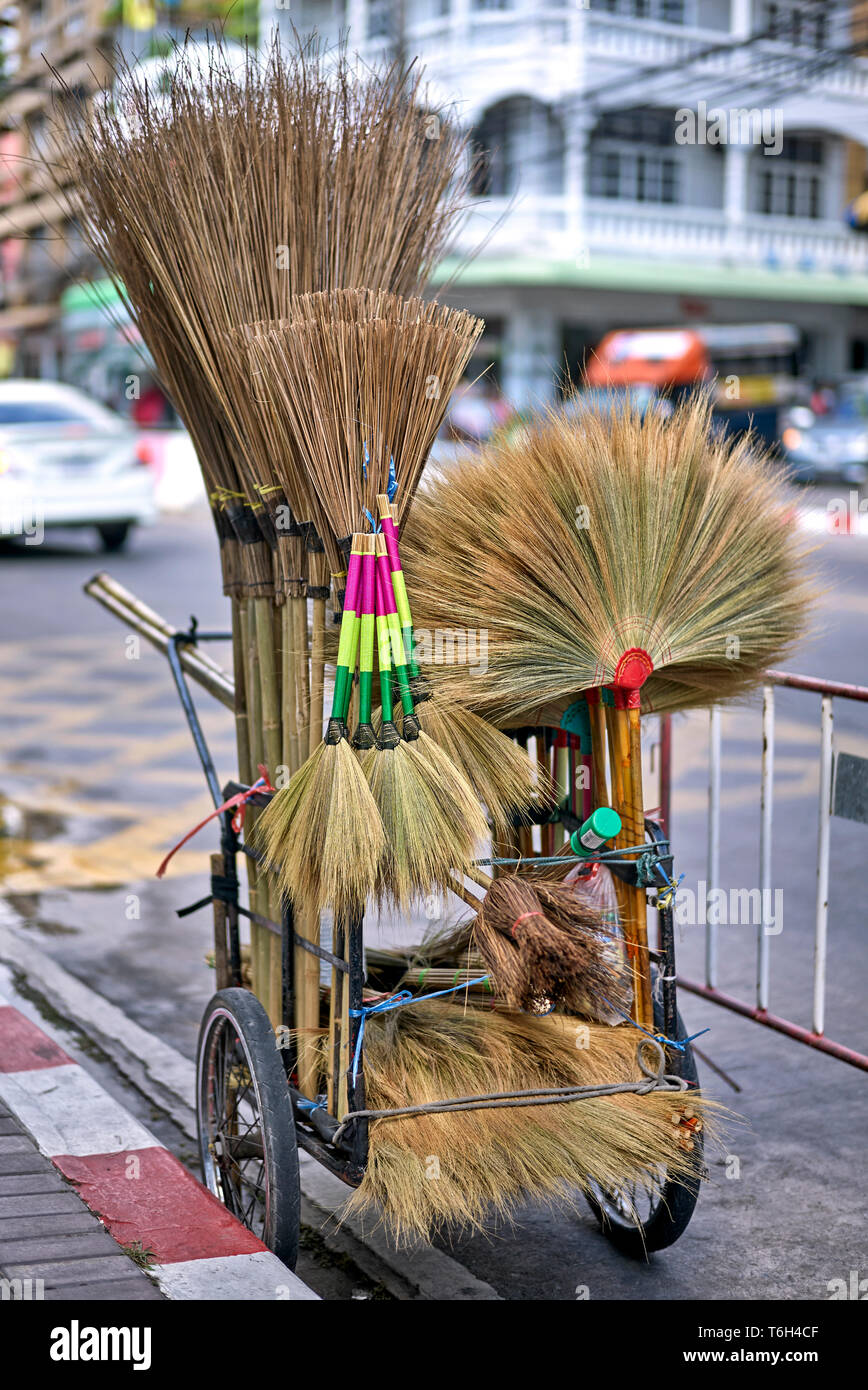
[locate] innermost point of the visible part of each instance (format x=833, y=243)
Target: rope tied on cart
x=237, y=804
x=394, y=1001
x=655, y=1078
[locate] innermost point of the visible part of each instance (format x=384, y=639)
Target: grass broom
x=577, y=544
x=322, y=834
x=499, y=772
x=546, y=948
x=490, y=1161
x=338, y=374
x=415, y=786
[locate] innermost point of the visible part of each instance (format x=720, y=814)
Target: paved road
x=99, y=777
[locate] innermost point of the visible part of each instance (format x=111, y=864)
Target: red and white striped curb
x=139, y=1190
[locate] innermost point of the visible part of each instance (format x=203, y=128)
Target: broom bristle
x=490, y=1161
x=500, y=773
x=433, y=822
x=574, y=542
x=322, y=833
x=544, y=947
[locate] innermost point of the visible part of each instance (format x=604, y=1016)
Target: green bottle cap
x=602, y=825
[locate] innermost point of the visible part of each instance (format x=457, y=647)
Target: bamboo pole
x=259, y=946
x=627, y=799
x=317, y=674
x=597, y=713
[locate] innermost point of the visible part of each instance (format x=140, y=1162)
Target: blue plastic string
x=656, y=1037
x=395, y=1001
x=392, y=487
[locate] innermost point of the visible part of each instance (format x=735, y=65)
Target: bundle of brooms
x=639, y=559
x=212, y=207
x=488, y=1161
x=213, y=204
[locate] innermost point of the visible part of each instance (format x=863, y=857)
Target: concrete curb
x=168, y=1078
x=143, y=1195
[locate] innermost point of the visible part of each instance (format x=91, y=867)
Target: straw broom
x=576, y=545
x=338, y=174
x=687, y=543
x=490, y=1161
x=345, y=378
x=412, y=780
x=499, y=772
x=544, y=948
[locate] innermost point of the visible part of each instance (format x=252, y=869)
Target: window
x=631, y=158
x=646, y=177
x=802, y=25
x=790, y=184
x=665, y=11
x=519, y=144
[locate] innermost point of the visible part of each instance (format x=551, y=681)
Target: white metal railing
x=760, y=1011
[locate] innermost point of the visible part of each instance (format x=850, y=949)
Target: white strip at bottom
x=255, y=1277
x=68, y=1112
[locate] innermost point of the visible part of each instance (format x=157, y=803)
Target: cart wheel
x=246, y=1128
x=637, y=1220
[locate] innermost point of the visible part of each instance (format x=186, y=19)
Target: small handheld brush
x=544, y=947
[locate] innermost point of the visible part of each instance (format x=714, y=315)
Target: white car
x=66, y=460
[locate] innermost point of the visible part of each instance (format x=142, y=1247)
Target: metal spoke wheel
x=639, y=1220
x=247, y=1138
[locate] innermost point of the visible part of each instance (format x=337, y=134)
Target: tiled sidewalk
x=50, y=1238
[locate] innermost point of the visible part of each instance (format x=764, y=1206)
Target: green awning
x=678, y=277
x=92, y=294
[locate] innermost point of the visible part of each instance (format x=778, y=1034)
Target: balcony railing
x=557, y=228
x=453, y=47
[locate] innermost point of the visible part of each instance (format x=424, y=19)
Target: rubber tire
x=252, y=1024
x=670, y=1217
x=114, y=535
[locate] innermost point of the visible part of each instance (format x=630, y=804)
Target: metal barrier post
x=766, y=817
x=713, y=870
x=821, y=934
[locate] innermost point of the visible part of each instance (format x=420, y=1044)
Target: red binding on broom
x=238, y=801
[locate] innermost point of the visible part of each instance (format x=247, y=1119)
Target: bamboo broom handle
x=303, y=668
x=632, y=900
x=242, y=732
x=637, y=802
x=269, y=689
x=289, y=741
x=271, y=744
x=317, y=674
x=257, y=880
x=597, y=715
x=339, y=993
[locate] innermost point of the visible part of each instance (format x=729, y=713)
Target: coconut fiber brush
x=546, y=948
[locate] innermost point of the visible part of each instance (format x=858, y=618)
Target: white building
x=603, y=208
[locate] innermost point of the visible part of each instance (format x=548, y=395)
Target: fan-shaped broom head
x=575, y=543
x=322, y=833
x=490, y=1161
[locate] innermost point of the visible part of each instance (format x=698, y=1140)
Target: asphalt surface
x=98, y=777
